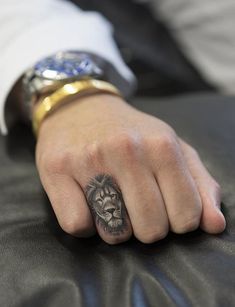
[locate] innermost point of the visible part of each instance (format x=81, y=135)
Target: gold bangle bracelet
x=69, y=90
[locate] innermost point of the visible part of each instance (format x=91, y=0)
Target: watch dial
x=66, y=65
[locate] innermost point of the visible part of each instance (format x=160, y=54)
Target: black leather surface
x=42, y=266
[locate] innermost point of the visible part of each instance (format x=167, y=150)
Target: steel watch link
x=52, y=72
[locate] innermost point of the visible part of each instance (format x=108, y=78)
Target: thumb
x=212, y=219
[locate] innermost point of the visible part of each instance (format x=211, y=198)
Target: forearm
x=30, y=31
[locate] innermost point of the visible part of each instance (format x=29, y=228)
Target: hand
x=100, y=157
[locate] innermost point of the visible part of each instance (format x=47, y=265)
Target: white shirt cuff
x=44, y=27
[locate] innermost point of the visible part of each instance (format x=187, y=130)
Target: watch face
x=67, y=65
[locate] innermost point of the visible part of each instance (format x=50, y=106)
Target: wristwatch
x=52, y=72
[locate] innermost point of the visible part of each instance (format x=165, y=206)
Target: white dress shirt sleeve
x=31, y=30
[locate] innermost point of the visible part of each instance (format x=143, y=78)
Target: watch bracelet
x=111, y=74
x=50, y=86
x=65, y=94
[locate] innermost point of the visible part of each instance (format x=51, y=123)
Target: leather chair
x=40, y=265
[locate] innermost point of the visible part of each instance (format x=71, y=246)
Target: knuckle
x=92, y=154
x=70, y=226
x=57, y=163
x=217, y=189
x=167, y=144
x=76, y=227
x=189, y=148
x=165, y=150
x=124, y=144
x=217, y=193
x=191, y=153
x=152, y=236
x=116, y=240
x=190, y=224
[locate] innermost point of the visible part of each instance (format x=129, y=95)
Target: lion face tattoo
x=106, y=202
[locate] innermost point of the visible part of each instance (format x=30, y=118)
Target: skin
x=107, y=205
x=162, y=182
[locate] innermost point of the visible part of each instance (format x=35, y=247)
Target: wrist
x=66, y=93
x=89, y=100
x=82, y=109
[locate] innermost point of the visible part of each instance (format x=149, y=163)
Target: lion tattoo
x=106, y=203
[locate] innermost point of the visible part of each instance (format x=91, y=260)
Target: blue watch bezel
x=67, y=65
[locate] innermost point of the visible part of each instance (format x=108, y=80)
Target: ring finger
x=106, y=203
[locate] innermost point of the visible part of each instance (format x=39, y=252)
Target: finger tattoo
x=106, y=203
